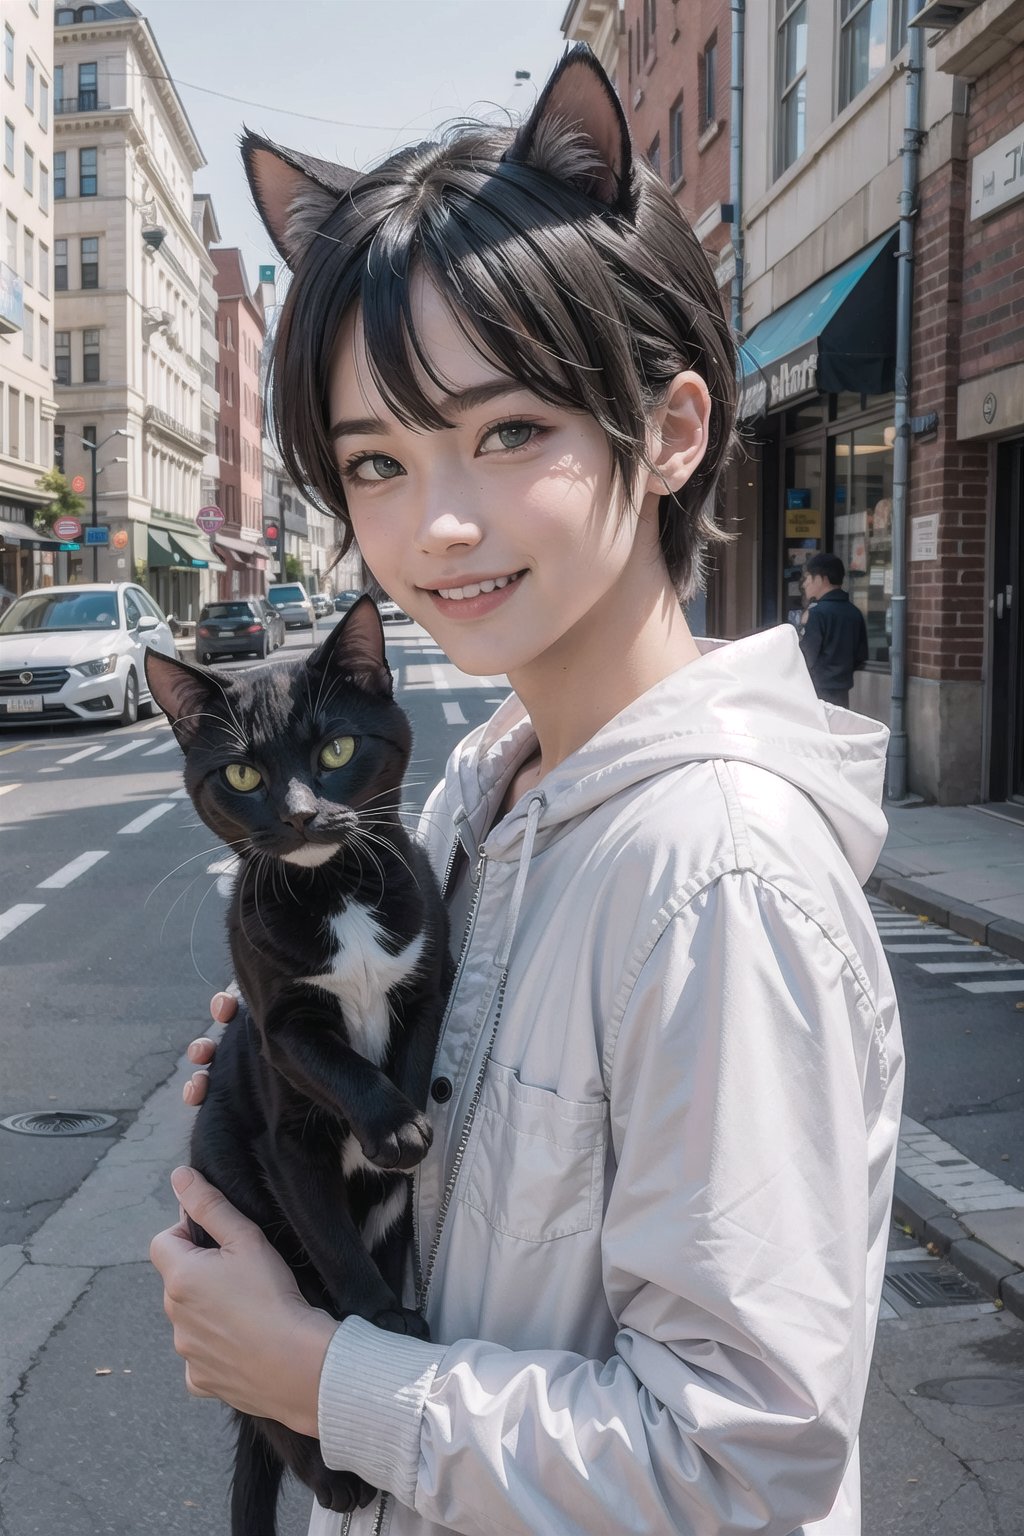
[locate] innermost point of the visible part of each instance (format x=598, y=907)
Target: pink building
x=240, y=332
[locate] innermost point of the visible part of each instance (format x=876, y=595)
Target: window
x=12, y=242
x=60, y=174
x=9, y=53
x=91, y=262
x=863, y=45
x=44, y=105
x=28, y=271
x=87, y=98
x=862, y=522
x=708, y=72
x=44, y=189
x=899, y=25
x=90, y=357
x=44, y=341
x=60, y=266
x=87, y=173
x=58, y=87
x=675, y=142
x=30, y=429
x=13, y=422
x=650, y=22
x=28, y=332
x=58, y=445
x=9, y=145
x=89, y=433
x=631, y=56
x=30, y=85
x=654, y=153
x=44, y=270
x=62, y=358
x=30, y=169
x=791, y=75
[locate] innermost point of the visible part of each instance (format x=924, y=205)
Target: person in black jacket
x=834, y=638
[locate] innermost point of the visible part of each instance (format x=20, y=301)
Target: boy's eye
x=512, y=434
x=337, y=752
x=243, y=776
x=371, y=467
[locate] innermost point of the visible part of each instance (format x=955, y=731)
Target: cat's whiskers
x=202, y=854
x=192, y=936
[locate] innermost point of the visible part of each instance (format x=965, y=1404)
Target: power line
x=264, y=106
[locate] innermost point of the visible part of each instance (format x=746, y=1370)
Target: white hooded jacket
x=652, y=1226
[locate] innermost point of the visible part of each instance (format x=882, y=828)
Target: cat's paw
x=403, y=1147
x=342, y=1492
x=402, y=1320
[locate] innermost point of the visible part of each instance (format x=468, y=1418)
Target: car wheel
x=264, y=648
x=204, y=658
x=130, y=712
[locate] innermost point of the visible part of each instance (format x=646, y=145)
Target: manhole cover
x=58, y=1122
x=929, y=1283
x=975, y=1391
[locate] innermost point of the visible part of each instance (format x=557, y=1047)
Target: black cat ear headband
x=295, y=193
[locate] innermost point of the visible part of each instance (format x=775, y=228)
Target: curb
x=934, y=1223
x=1003, y=934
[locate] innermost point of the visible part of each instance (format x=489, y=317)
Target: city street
x=111, y=941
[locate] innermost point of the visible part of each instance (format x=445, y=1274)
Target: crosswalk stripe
x=453, y=713
x=147, y=817
x=63, y=877
x=129, y=746
x=953, y=967
x=76, y=757
x=952, y=948
x=5, y=789
x=1016, y=985
x=15, y=916
x=163, y=746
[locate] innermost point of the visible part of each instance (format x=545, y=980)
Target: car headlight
x=98, y=668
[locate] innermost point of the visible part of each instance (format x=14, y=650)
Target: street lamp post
x=94, y=449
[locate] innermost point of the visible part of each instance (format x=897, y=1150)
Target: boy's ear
x=355, y=649
x=678, y=434
x=579, y=96
x=183, y=692
x=293, y=193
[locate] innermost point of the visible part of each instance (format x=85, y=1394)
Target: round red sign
x=210, y=519
x=67, y=528
x=78, y=484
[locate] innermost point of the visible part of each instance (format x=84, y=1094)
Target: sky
x=377, y=73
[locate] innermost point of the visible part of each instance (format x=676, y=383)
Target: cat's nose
x=299, y=819
x=299, y=807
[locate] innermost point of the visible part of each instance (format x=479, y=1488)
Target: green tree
x=65, y=503
x=292, y=568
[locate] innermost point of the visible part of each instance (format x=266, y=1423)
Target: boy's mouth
x=472, y=589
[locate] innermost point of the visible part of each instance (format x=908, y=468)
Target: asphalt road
x=111, y=941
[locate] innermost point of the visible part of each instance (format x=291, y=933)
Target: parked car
x=343, y=600
x=322, y=605
x=239, y=626
x=291, y=600
x=391, y=613
x=78, y=653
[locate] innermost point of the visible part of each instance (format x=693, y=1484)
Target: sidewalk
x=962, y=867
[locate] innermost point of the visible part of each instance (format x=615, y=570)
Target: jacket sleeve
x=861, y=658
x=812, y=636
x=735, y=1244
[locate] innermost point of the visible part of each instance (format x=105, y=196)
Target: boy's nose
x=445, y=524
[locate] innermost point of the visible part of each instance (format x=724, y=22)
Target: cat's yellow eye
x=337, y=752
x=243, y=776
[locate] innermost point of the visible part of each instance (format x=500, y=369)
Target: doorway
x=1006, y=780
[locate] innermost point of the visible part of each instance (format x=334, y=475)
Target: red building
x=240, y=332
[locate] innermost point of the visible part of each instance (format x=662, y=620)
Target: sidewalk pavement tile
x=1000, y=1229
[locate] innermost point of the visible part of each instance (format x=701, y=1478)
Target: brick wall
x=946, y=596
x=993, y=255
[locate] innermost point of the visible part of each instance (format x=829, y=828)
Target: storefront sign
x=120, y=539
x=210, y=519
x=778, y=383
x=924, y=537
x=97, y=535
x=803, y=523
x=997, y=174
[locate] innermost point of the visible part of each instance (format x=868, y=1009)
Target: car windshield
x=60, y=611
x=285, y=595
x=227, y=611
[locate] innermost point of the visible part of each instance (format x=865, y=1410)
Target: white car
x=78, y=653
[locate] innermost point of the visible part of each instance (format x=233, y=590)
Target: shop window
x=800, y=418
x=862, y=526
x=803, y=513
x=791, y=80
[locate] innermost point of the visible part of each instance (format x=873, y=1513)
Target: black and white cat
x=339, y=942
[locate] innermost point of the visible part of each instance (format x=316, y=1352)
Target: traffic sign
x=67, y=527
x=210, y=519
x=120, y=539
x=97, y=535
x=78, y=484
x=271, y=533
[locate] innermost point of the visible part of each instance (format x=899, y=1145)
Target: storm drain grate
x=58, y=1122
x=930, y=1283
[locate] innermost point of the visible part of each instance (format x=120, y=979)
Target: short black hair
x=829, y=566
x=592, y=310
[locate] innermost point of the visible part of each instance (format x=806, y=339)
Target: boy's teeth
x=456, y=594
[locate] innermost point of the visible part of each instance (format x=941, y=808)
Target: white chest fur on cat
x=362, y=974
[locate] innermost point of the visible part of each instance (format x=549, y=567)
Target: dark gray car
x=241, y=626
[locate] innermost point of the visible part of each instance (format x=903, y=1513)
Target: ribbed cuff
x=372, y=1389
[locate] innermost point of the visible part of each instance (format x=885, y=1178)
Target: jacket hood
x=750, y=700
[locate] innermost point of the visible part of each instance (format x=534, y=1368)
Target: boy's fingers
x=223, y=1007
x=194, y=1091
x=208, y=1207
x=201, y=1051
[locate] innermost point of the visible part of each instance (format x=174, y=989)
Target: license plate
x=26, y=704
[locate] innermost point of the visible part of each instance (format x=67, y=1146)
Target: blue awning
x=839, y=334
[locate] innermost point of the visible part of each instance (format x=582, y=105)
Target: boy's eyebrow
x=462, y=400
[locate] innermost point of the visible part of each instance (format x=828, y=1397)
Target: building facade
x=240, y=332
x=204, y=222
x=128, y=264
x=26, y=291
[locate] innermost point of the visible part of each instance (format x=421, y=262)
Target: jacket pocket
x=535, y=1160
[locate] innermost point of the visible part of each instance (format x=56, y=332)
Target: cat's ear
x=355, y=649
x=579, y=96
x=293, y=193
x=184, y=694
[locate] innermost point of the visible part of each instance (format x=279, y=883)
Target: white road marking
x=119, y=751
x=164, y=746
x=954, y=947
x=49, y=770
x=71, y=871
x=438, y=675
x=147, y=817
x=953, y=967
x=1016, y=985
x=76, y=757
x=180, y=794
x=453, y=713
x=5, y=789
x=15, y=916
x=154, y=724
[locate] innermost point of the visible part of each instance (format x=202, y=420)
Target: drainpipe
x=897, y=764
x=737, y=8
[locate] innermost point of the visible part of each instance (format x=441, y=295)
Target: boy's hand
x=223, y=1007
